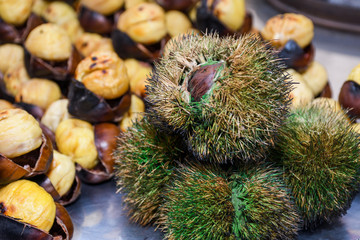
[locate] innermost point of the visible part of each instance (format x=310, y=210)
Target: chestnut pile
x=72, y=78
x=291, y=34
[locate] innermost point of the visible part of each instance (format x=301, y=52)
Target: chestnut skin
x=349, y=98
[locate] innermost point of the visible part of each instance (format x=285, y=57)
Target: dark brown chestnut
x=349, y=98
x=326, y=92
x=90, y=107
x=95, y=22
x=105, y=142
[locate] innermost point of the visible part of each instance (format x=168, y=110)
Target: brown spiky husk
x=145, y=159
x=263, y=206
x=237, y=118
x=197, y=205
x=319, y=152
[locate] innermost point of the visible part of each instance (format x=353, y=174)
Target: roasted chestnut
x=49, y=53
x=29, y=212
x=10, y=54
x=105, y=7
x=292, y=34
x=5, y=105
x=95, y=22
x=14, y=79
x=39, y=92
x=138, y=73
x=25, y=151
x=56, y=113
x=223, y=16
x=177, y=23
x=135, y=113
x=301, y=94
x=349, y=96
x=316, y=78
x=105, y=141
x=88, y=43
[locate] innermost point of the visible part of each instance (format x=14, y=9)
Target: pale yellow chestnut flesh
x=327, y=103
x=39, y=92
x=87, y=43
x=103, y=73
x=230, y=12
x=10, y=55
x=75, y=138
x=50, y=42
x=301, y=93
x=28, y=202
x=316, y=77
x=15, y=12
x=355, y=74
x=20, y=133
x=282, y=28
x=137, y=108
x=61, y=173
x=177, y=23
x=56, y=113
x=138, y=73
x=105, y=7
x=5, y=105
x=15, y=77
x=144, y=23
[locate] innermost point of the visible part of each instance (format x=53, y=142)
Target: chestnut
x=223, y=16
x=75, y=138
x=29, y=212
x=177, y=23
x=15, y=12
x=105, y=7
x=349, y=96
x=95, y=22
x=56, y=113
x=5, y=105
x=316, y=77
x=180, y=5
x=105, y=141
x=135, y=113
x=292, y=34
x=138, y=73
x=87, y=43
x=25, y=150
x=39, y=92
x=10, y=54
x=49, y=53
x=301, y=94
x=325, y=102
x=28, y=202
x=14, y=79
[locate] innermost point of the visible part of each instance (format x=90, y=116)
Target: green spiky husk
x=238, y=117
x=198, y=205
x=264, y=208
x=144, y=161
x=319, y=153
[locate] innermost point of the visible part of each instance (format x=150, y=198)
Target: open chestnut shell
x=28, y=165
x=125, y=47
x=180, y=5
x=326, y=92
x=206, y=21
x=293, y=56
x=61, y=71
x=12, y=34
x=88, y=106
x=62, y=229
x=105, y=142
x=349, y=98
x=71, y=196
x=95, y=22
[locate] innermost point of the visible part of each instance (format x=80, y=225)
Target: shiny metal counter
x=98, y=213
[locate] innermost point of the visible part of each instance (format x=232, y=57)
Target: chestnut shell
x=105, y=142
x=61, y=71
x=349, y=98
x=95, y=22
x=326, y=92
x=11, y=34
x=90, y=107
x=28, y=165
x=180, y=5
x=125, y=47
x=293, y=56
x=62, y=229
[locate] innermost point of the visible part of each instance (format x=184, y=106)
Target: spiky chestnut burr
x=227, y=96
x=319, y=153
x=202, y=203
x=144, y=162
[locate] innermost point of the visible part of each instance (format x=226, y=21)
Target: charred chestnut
x=88, y=43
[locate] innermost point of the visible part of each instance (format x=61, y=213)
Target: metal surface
x=99, y=214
